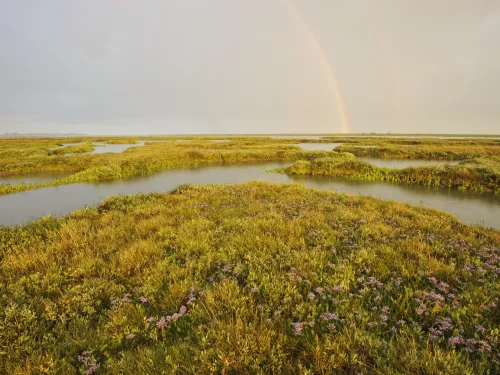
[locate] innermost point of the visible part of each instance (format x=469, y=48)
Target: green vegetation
x=478, y=172
x=440, y=150
x=482, y=174
x=148, y=159
x=67, y=150
x=249, y=279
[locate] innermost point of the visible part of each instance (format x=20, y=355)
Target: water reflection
x=18, y=208
x=102, y=148
x=318, y=146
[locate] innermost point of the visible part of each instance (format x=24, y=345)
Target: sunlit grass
x=245, y=279
x=28, y=155
x=481, y=174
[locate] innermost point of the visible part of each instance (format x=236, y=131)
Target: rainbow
x=344, y=118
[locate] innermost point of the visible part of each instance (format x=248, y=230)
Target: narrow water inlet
x=18, y=208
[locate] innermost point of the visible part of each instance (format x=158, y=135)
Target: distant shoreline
x=381, y=135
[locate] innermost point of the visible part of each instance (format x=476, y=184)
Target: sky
x=249, y=66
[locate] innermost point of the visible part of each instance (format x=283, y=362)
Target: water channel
x=473, y=208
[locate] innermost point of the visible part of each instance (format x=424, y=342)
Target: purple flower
x=480, y=329
x=126, y=298
x=183, y=310
x=338, y=288
x=143, y=299
x=485, y=347
x=254, y=290
x=191, y=298
x=329, y=316
x=162, y=323
x=130, y=336
x=298, y=327
x=420, y=310
x=311, y=296
x=455, y=340
x=319, y=290
x=435, y=296
x=435, y=332
x=432, y=280
x=445, y=324
x=90, y=363
x=443, y=287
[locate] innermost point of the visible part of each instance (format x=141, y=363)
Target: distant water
x=102, y=148
x=318, y=146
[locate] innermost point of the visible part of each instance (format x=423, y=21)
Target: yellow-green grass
x=274, y=279
x=38, y=156
x=440, y=150
x=28, y=155
x=482, y=174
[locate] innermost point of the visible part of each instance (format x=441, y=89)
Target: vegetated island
x=481, y=174
x=479, y=169
x=246, y=279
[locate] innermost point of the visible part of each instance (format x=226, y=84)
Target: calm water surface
x=101, y=148
x=289, y=136
x=318, y=146
x=20, y=207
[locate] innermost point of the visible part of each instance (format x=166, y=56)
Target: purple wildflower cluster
x=371, y=282
x=224, y=271
x=299, y=327
x=471, y=345
x=166, y=321
x=127, y=299
x=89, y=362
x=441, y=326
x=330, y=316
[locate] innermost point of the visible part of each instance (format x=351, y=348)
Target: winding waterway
x=473, y=208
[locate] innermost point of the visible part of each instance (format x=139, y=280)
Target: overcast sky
x=249, y=66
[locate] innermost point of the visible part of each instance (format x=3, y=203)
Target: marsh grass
x=249, y=279
x=28, y=155
x=145, y=160
x=482, y=174
x=433, y=151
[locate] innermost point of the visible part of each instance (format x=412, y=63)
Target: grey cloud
x=186, y=66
